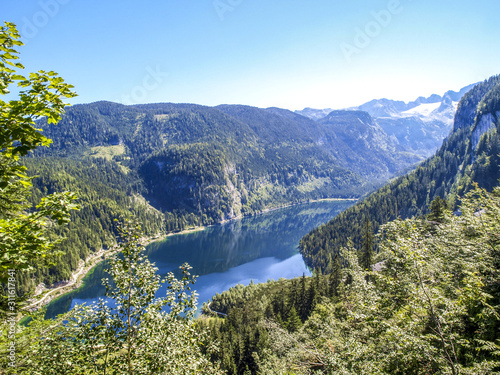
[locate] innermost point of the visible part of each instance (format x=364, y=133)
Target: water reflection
x=256, y=248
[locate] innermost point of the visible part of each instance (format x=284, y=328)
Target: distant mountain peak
x=418, y=126
x=314, y=114
x=388, y=108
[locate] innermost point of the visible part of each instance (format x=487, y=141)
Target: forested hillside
x=266, y=159
x=431, y=308
x=237, y=318
x=361, y=136
x=104, y=194
x=469, y=154
x=176, y=166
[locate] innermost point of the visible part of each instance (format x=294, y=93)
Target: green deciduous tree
x=23, y=230
x=141, y=334
x=433, y=308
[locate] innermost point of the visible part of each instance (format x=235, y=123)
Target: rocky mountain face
x=363, y=139
x=470, y=154
x=217, y=163
x=417, y=127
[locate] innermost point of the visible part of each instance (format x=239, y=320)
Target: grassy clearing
x=313, y=185
x=109, y=152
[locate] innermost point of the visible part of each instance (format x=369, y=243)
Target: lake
x=258, y=248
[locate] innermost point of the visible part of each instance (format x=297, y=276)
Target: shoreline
x=49, y=294
x=270, y=209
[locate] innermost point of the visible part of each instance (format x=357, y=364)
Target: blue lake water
x=257, y=248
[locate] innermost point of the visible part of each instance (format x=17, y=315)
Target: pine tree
x=335, y=276
x=302, y=305
x=437, y=210
x=367, y=252
x=293, y=323
x=312, y=297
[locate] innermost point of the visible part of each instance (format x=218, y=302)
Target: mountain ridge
x=185, y=165
x=470, y=154
x=418, y=126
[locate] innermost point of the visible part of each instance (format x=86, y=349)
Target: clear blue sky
x=285, y=53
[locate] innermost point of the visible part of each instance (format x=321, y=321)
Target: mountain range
x=222, y=162
x=176, y=166
x=470, y=154
x=418, y=127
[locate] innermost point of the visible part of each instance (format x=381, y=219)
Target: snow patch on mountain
x=417, y=127
x=423, y=110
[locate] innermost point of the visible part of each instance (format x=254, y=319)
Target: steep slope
x=176, y=166
x=421, y=126
x=417, y=127
x=364, y=145
x=469, y=154
x=182, y=165
x=218, y=163
x=352, y=138
x=104, y=193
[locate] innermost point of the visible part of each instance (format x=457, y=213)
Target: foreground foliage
x=136, y=333
x=433, y=308
x=24, y=227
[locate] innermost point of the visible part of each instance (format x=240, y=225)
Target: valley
x=219, y=188
x=180, y=166
x=275, y=193
x=255, y=249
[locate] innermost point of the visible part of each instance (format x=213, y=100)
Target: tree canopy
x=24, y=230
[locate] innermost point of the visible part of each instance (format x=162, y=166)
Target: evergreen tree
x=335, y=276
x=312, y=298
x=303, y=302
x=367, y=252
x=293, y=323
x=437, y=210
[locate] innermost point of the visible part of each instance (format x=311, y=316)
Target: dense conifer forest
x=468, y=155
x=178, y=166
x=429, y=306
x=104, y=193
